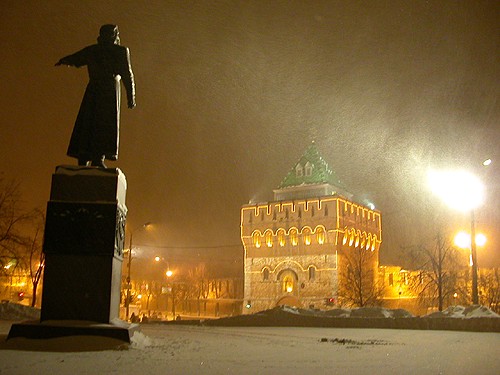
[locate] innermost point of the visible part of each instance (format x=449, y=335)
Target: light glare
x=462, y=240
x=458, y=189
x=480, y=239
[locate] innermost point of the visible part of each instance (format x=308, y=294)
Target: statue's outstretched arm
x=77, y=59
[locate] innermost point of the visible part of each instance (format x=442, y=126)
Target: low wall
x=294, y=320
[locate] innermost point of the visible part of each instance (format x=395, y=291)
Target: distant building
x=416, y=290
x=400, y=288
x=304, y=248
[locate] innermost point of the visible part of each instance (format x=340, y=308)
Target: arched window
x=265, y=274
x=346, y=236
x=288, y=284
x=320, y=235
x=294, y=238
x=288, y=280
x=374, y=242
x=269, y=238
x=308, y=169
x=358, y=235
x=306, y=235
x=312, y=273
x=281, y=237
x=299, y=171
x=351, y=237
x=256, y=237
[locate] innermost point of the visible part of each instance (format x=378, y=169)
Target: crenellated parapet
x=287, y=214
x=323, y=220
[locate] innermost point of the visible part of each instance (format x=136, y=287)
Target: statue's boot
x=83, y=162
x=99, y=162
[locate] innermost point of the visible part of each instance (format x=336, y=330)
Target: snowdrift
x=457, y=318
x=469, y=312
x=474, y=318
x=14, y=311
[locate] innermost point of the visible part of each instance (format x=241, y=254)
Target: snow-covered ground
x=176, y=349
x=192, y=349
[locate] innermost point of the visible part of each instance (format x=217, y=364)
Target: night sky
x=231, y=93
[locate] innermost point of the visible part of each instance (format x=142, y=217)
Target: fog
x=231, y=93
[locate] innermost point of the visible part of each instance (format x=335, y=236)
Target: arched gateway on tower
x=302, y=249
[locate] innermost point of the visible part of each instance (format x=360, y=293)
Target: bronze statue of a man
x=95, y=135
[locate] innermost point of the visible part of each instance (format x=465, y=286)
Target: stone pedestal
x=83, y=246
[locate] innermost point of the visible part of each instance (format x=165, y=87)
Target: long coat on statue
x=97, y=126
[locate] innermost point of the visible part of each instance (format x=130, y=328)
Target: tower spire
x=310, y=177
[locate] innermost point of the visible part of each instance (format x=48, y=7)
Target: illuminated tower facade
x=298, y=247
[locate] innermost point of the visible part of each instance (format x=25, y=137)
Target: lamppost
x=466, y=241
x=129, y=266
x=159, y=259
x=169, y=273
x=462, y=191
x=463, y=240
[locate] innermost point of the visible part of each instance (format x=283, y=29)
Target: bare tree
x=36, y=254
x=358, y=285
x=217, y=291
x=199, y=285
x=489, y=281
x=20, y=240
x=440, y=277
x=12, y=221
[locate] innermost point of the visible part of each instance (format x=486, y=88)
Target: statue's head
x=109, y=34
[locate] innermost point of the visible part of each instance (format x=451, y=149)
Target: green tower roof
x=311, y=169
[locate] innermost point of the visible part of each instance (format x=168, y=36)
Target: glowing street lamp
x=463, y=241
x=463, y=191
x=480, y=239
x=168, y=273
x=459, y=190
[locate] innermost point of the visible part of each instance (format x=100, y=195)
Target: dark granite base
x=54, y=329
x=83, y=245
